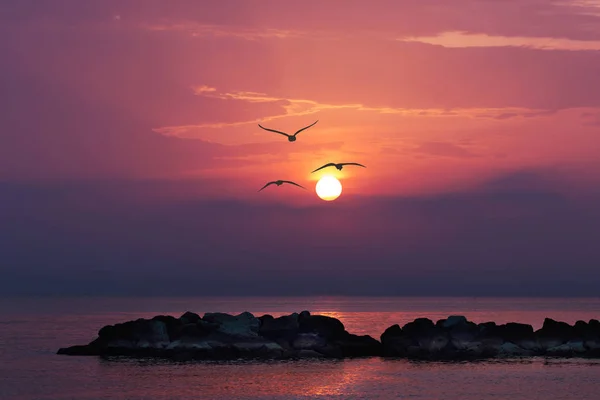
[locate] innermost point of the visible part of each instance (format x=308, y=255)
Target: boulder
x=452, y=321
x=285, y=327
x=308, y=341
x=224, y=336
x=242, y=325
x=189, y=318
x=509, y=349
x=326, y=327
x=418, y=328
x=358, y=346
x=555, y=332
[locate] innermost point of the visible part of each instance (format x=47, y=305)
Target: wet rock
x=510, y=349
x=309, y=354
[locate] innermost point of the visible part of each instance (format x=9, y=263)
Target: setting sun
x=329, y=188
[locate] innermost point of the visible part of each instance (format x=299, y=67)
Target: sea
x=32, y=329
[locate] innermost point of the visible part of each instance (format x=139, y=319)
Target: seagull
x=280, y=182
x=291, y=138
x=339, y=166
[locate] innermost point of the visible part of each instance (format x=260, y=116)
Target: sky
x=130, y=152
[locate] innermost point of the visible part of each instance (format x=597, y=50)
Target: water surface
x=33, y=329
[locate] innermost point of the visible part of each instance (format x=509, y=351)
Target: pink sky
x=434, y=96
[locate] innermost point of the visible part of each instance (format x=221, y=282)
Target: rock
x=563, y=350
x=577, y=346
x=530, y=344
x=308, y=341
x=553, y=331
x=434, y=343
x=488, y=330
x=513, y=332
x=592, y=344
x=491, y=346
x=419, y=327
x=259, y=349
x=242, y=325
x=285, y=327
x=304, y=314
x=224, y=336
x=189, y=318
x=453, y=320
x=327, y=327
x=395, y=342
x=189, y=345
x=511, y=349
x=358, y=346
x=309, y=354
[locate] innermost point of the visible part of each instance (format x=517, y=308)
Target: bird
x=291, y=138
x=281, y=182
x=339, y=166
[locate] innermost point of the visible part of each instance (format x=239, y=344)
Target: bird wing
x=270, y=183
x=353, y=163
x=273, y=130
x=293, y=183
x=324, y=166
x=306, y=127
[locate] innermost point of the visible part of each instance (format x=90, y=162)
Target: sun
x=328, y=188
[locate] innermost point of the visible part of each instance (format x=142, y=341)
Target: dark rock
x=242, y=325
x=308, y=341
x=452, y=321
x=419, y=327
x=285, y=327
x=224, y=336
x=327, y=327
x=553, y=334
x=359, y=346
x=189, y=318
x=309, y=354
x=304, y=314
x=395, y=342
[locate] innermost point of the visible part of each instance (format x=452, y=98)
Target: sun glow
x=328, y=188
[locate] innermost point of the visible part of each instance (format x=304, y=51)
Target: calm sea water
x=31, y=330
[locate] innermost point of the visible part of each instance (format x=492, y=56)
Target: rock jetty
x=217, y=336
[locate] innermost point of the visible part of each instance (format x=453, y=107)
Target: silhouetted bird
x=291, y=138
x=339, y=166
x=280, y=182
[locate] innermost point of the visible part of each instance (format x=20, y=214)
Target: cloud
x=591, y=118
x=466, y=39
x=203, y=89
x=201, y=30
x=444, y=149
x=519, y=237
x=299, y=107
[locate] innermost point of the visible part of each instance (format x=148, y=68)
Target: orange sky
x=426, y=106
x=152, y=102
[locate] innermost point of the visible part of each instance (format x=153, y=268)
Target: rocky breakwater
x=457, y=338
x=225, y=336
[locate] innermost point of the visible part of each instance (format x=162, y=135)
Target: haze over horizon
x=130, y=152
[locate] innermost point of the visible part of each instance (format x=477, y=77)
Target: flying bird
x=291, y=138
x=280, y=182
x=339, y=166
